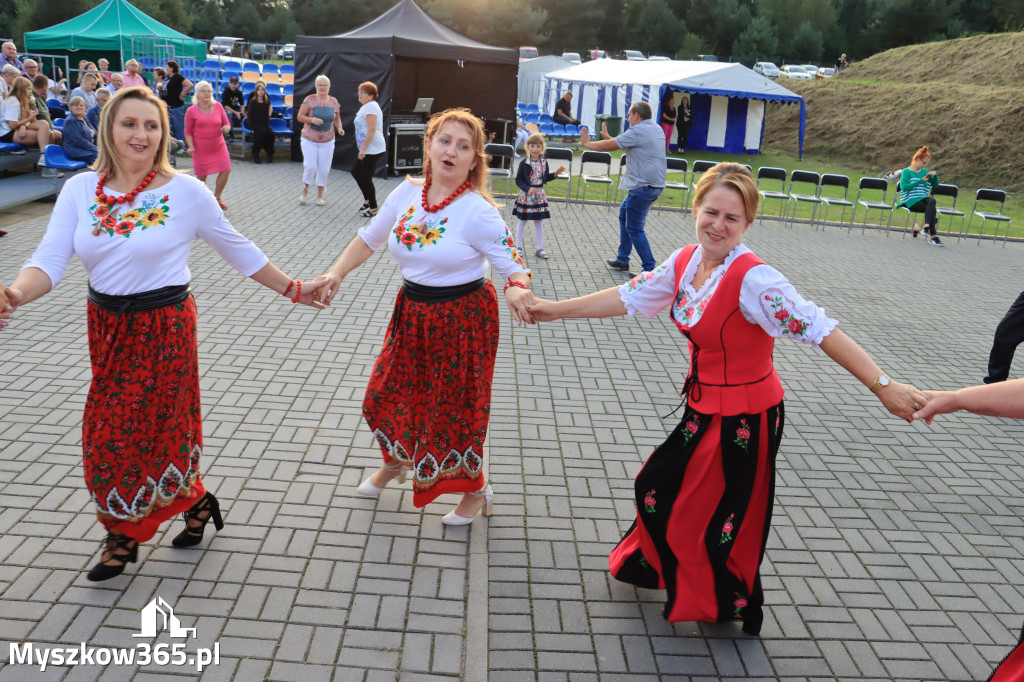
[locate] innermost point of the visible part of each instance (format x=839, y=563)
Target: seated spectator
x=103, y=66
x=133, y=75
x=79, y=136
x=233, y=105
x=116, y=82
x=87, y=90
x=563, y=111
x=93, y=114
x=38, y=95
x=19, y=121
x=56, y=86
x=77, y=82
x=9, y=55
x=7, y=75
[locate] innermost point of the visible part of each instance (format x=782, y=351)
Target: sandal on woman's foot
x=369, y=213
x=223, y=206
x=196, y=519
x=303, y=199
x=370, y=490
x=453, y=519
x=119, y=550
x=366, y=205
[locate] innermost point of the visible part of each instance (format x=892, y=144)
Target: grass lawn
x=1014, y=204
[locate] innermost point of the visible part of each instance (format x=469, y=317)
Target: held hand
x=543, y=310
x=518, y=301
x=939, y=402
x=362, y=155
x=311, y=293
x=902, y=399
x=330, y=288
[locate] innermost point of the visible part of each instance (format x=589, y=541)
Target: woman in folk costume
x=132, y=221
x=704, y=497
x=428, y=400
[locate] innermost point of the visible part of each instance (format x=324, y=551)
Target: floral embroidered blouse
x=767, y=299
x=141, y=247
x=450, y=247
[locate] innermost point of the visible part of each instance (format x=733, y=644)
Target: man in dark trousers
x=1009, y=335
x=563, y=111
x=234, y=105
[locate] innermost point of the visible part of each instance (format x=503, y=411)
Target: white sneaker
x=303, y=199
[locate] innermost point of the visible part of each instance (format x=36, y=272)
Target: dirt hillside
x=963, y=98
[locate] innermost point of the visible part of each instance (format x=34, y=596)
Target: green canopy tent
x=117, y=31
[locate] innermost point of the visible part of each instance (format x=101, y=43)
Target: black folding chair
x=833, y=180
x=772, y=174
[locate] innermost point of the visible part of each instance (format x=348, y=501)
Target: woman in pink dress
x=205, y=125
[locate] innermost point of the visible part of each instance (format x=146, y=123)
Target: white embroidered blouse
x=142, y=247
x=446, y=248
x=767, y=299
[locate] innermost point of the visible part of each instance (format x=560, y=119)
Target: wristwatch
x=880, y=383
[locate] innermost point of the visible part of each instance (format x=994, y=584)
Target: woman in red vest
x=704, y=497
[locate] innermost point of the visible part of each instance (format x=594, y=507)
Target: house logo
x=158, y=616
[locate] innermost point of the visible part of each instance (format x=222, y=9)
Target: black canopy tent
x=408, y=55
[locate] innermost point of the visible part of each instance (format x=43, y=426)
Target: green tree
x=210, y=21
x=758, y=42
x=656, y=28
x=33, y=15
x=692, y=46
x=719, y=22
x=280, y=26
x=174, y=13
x=808, y=45
x=498, y=22
x=573, y=24
x=1008, y=14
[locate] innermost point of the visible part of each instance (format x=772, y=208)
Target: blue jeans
x=177, y=121
x=632, y=218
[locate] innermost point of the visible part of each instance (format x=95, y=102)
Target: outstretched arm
x=30, y=284
x=299, y=292
x=355, y=254
x=900, y=399
x=1004, y=399
x=604, y=303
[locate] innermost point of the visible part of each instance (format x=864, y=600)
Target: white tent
x=531, y=75
x=728, y=100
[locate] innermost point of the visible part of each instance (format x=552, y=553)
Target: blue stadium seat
x=558, y=130
x=270, y=68
x=546, y=129
x=212, y=64
x=247, y=89
x=288, y=68
x=546, y=118
x=281, y=127
x=288, y=89
x=274, y=89
x=147, y=63
x=232, y=65
x=10, y=147
x=58, y=123
x=251, y=66
x=276, y=100
x=532, y=108
x=54, y=157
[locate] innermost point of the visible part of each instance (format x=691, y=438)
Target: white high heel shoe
x=370, y=490
x=453, y=519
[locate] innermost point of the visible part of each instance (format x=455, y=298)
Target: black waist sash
x=424, y=294
x=142, y=301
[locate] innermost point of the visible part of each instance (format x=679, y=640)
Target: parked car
x=573, y=57
x=707, y=58
x=287, y=51
x=793, y=71
x=528, y=52
x=810, y=68
x=634, y=56
x=257, y=51
x=658, y=58
x=766, y=69
x=223, y=45
x=825, y=72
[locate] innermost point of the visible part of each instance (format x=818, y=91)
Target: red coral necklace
x=434, y=208
x=128, y=198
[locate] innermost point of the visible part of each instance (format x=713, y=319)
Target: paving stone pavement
x=895, y=552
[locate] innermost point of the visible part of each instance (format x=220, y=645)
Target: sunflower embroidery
x=153, y=211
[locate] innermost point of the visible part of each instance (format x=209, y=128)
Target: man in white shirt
x=7, y=75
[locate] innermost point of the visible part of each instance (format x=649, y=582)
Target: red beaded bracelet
x=515, y=283
x=291, y=283
x=298, y=291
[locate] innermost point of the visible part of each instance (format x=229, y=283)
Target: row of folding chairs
x=873, y=194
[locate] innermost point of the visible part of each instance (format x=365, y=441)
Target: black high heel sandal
x=120, y=549
x=366, y=205
x=196, y=519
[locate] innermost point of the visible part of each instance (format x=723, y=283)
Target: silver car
x=766, y=69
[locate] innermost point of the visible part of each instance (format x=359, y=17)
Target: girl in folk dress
x=704, y=497
x=428, y=400
x=532, y=203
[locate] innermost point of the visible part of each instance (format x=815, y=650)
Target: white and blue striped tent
x=728, y=100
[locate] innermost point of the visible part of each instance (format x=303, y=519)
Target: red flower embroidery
x=124, y=227
x=691, y=427
x=740, y=603
x=101, y=211
x=165, y=198
x=743, y=435
x=727, y=530
x=408, y=238
x=109, y=222
x=649, y=501
x=782, y=315
x=795, y=326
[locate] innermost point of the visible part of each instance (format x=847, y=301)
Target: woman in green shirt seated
x=916, y=184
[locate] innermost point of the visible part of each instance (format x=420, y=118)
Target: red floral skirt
x=704, y=506
x=142, y=430
x=429, y=397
